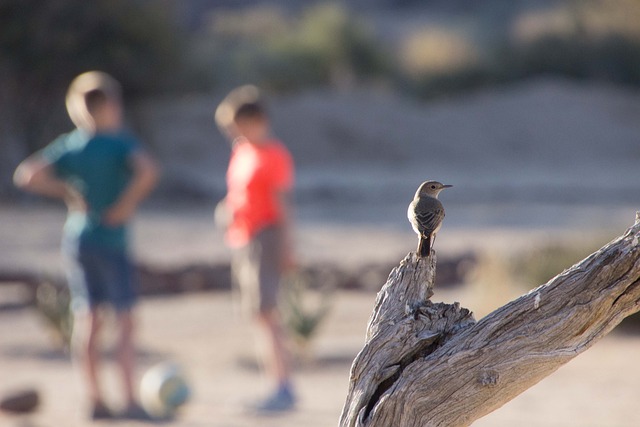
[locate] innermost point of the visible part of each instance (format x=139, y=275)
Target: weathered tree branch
x=431, y=364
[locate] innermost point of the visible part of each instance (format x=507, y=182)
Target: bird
x=425, y=214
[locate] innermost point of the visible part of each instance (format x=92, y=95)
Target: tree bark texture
x=432, y=364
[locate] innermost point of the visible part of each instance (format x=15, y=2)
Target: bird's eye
x=433, y=187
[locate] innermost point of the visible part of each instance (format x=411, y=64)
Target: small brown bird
x=425, y=214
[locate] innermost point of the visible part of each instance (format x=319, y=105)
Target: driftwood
x=432, y=364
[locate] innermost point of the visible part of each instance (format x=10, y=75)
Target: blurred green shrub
x=588, y=39
x=53, y=305
x=539, y=265
x=51, y=42
x=500, y=276
x=45, y=44
x=304, y=308
x=325, y=45
x=438, y=60
x=585, y=39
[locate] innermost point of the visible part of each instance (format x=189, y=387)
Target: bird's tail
x=424, y=246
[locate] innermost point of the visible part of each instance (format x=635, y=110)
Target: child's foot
x=135, y=412
x=281, y=401
x=100, y=411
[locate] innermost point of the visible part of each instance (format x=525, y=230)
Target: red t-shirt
x=256, y=174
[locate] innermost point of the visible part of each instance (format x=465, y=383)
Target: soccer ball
x=163, y=390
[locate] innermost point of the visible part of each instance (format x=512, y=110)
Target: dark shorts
x=99, y=276
x=257, y=271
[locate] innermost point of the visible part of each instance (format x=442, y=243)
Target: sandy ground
x=598, y=388
x=201, y=332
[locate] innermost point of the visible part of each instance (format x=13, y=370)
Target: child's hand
x=145, y=175
x=118, y=214
x=74, y=200
x=222, y=216
x=288, y=262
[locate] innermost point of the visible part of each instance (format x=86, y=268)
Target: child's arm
x=36, y=175
x=145, y=176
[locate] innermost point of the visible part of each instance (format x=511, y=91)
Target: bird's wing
x=429, y=216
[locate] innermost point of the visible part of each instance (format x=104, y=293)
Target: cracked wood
x=432, y=364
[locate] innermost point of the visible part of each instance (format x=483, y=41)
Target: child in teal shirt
x=102, y=174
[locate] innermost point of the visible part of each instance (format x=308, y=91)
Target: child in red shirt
x=259, y=179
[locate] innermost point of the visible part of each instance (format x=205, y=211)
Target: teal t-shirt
x=99, y=167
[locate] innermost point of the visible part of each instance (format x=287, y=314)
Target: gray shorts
x=257, y=270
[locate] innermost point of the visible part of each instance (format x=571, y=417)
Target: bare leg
x=276, y=354
x=126, y=354
x=86, y=346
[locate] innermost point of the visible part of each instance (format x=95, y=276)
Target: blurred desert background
x=531, y=109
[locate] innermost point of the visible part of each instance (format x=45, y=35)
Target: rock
x=20, y=402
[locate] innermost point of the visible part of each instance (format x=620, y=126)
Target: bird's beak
x=446, y=186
